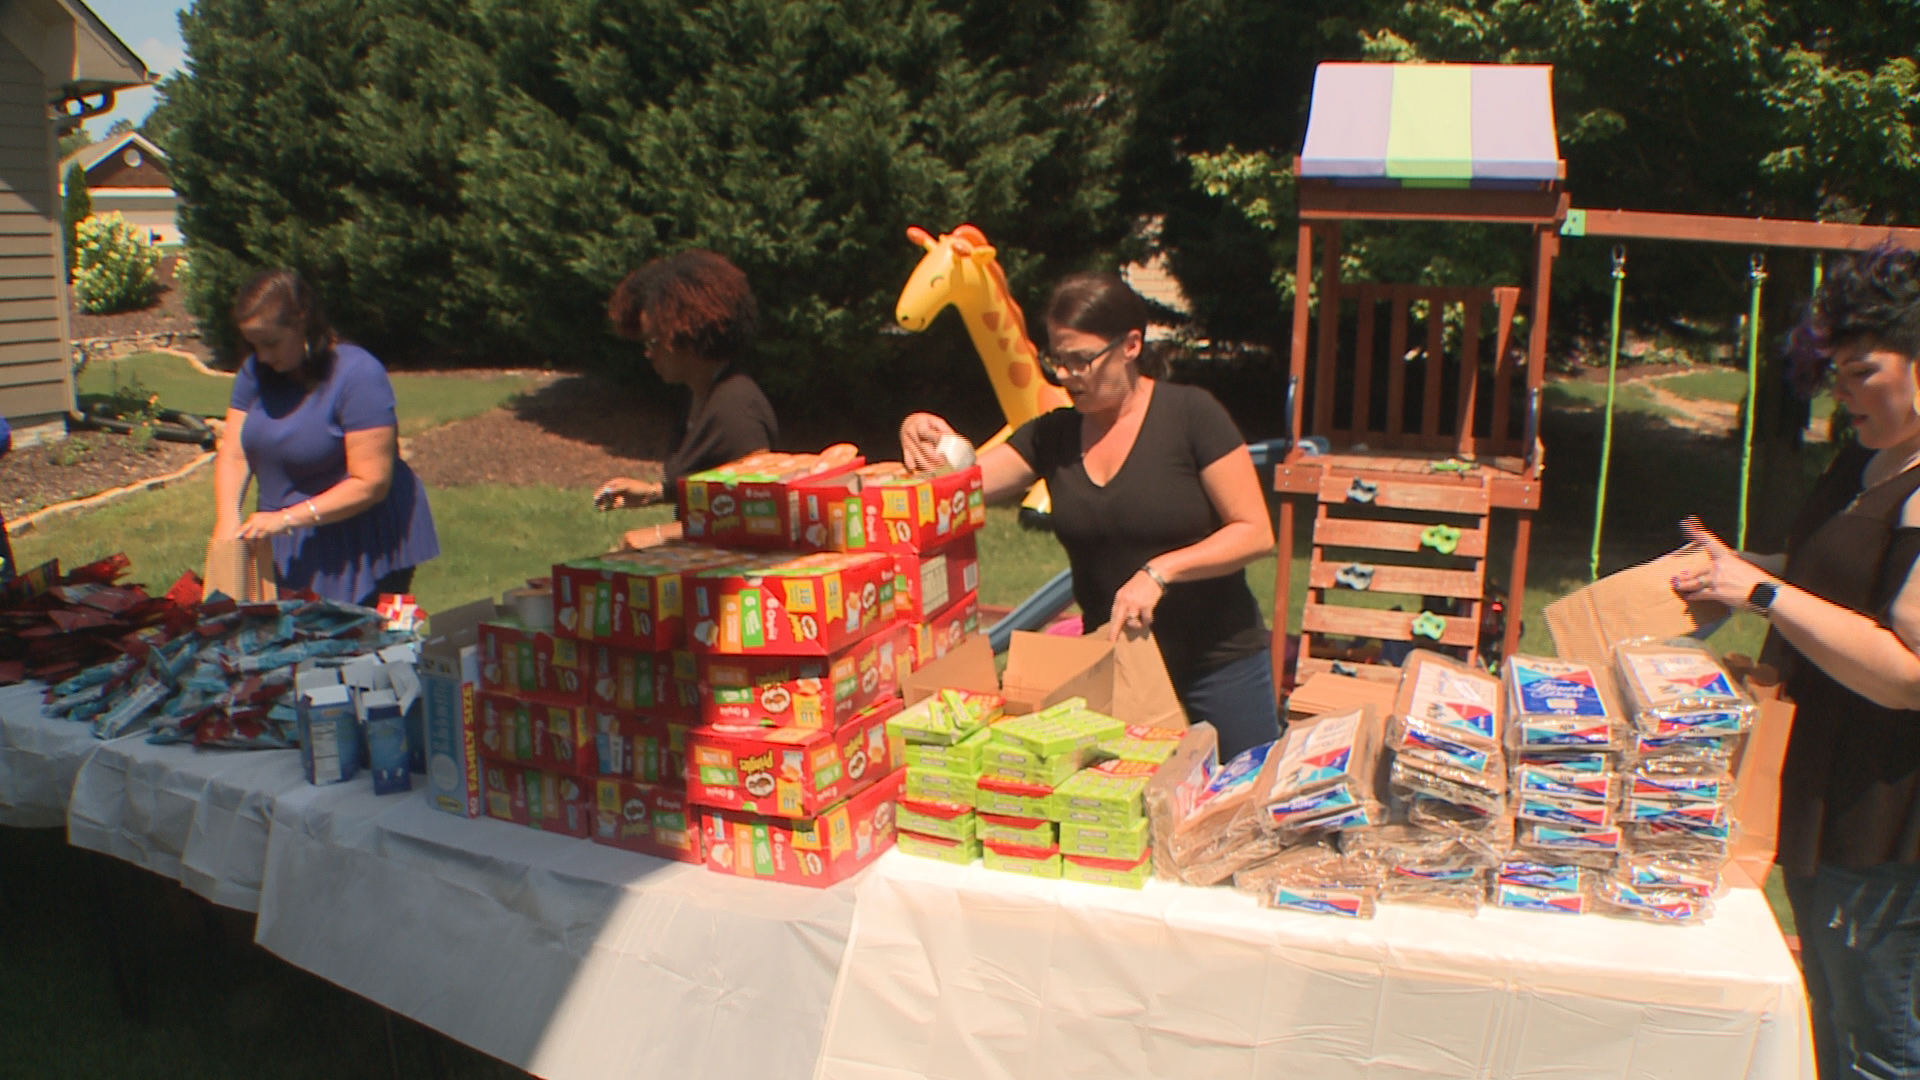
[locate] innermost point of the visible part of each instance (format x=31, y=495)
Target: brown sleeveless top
x=1850, y=785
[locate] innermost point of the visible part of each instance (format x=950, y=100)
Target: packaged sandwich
x=1615, y=897
x=1560, y=705
x=1448, y=697
x=1325, y=777
x=1313, y=878
x=1678, y=689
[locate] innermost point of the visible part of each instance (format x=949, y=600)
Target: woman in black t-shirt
x=693, y=313
x=1154, y=498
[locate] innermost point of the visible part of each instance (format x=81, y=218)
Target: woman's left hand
x=1728, y=579
x=263, y=524
x=1133, y=606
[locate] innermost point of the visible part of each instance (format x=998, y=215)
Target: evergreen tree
x=75, y=205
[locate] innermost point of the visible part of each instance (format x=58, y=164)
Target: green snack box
x=1108, y=872
x=1109, y=795
x=962, y=757
x=948, y=821
x=1018, y=831
x=945, y=718
x=958, y=852
x=1151, y=745
x=934, y=785
x=1104, y=842
x=1047, y=734
x=1011, y=763
x=1011, y=798
x=1033, y=862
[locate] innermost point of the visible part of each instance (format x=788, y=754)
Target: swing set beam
x=1722, y=229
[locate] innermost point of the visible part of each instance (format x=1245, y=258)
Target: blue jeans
x=1860, y=954
x=1237, y=699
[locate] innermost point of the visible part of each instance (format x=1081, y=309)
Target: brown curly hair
x=695, y=302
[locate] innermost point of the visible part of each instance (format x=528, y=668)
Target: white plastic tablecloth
x=960, y=973
x=569, y=959
x=39, y=756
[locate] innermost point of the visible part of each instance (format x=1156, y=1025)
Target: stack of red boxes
x=927, y=523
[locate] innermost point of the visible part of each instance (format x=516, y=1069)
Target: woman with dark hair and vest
x=313, y=420
x=1845, y=628
x=693, y=313
x=1155, y=499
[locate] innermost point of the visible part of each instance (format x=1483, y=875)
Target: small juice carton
x=329, y=735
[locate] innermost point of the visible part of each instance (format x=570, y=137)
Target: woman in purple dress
x=312, y=418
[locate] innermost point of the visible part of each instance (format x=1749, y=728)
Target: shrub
x=75, y=205
x=115, y=264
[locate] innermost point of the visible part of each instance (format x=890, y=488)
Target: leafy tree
x=74, y=140
x=75, y=205
x=119, y=127
x=470, y=179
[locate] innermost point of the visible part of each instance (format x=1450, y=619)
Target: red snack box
x=787, y=772
x=755, y=502
x=651, y=819
x=643, y=749
x=816, y=851
x=810, y=692
x=503, y=788
x=631, y=598
x=883, y=507
x=935, y=639
x=559, y=804
x=926, y=584
x=806, y=605
x=516, y=660
x=630, y=681
x=529, y=731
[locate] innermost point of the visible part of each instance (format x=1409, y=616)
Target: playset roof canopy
x=1433, y=126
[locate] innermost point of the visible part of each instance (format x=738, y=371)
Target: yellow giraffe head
x=960, y=268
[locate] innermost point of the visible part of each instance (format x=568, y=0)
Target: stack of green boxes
x=942, y=740
x=1025, y=762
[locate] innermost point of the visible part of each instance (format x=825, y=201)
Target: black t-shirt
x=1153, y=505
x=738, y=420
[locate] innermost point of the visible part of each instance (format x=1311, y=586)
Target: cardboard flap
x=449, y=630
x=1142, y=692
x=1636, y=602
x=1046, y=668
x=968, y=667
x=1326, y=692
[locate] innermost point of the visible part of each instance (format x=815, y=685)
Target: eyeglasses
x=1060, y=364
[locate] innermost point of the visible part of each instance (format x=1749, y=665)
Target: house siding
x=36, y=376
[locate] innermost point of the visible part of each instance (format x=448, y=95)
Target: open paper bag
x=1142, y=692
x=243, y=569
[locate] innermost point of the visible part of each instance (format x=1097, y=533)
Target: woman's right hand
x=624, y=493
x=920, y=436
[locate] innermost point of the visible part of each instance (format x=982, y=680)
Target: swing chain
x=1757, y=267
x=1619, y=260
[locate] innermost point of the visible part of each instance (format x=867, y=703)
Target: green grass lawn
x=1708, y=384
x=425, y=400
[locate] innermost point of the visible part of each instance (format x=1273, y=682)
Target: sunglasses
x=1062, y=364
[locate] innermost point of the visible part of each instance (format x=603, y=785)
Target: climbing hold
x=1341, y=667
x=1354, y=576
x=1428, y=625
x=1362, y=491
x=1441, y=538
x=1453, y=465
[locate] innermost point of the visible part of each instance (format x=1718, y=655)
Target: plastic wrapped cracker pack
x=1528, y=898
x=1223, y=831
x=1615, y=897
x=1326, y=776
x=1560, y=705
x=1680, y=690
x=1449, y=697
x=1316, y=879
x=1487, y=833
x=1459, y=889
x=1412, y=777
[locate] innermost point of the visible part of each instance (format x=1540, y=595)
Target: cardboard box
x=1042, y=670
x=933, y=640
x=883, y=507
x=787, y=772
x=816, y=851
x=928, y=583
x=755, y=501
x=449, y=670
x=505, y=788
x=822, y=692
x=516, y=660
x=1326, y=692
x=643, y=749
x=652, y=819
x=634, y=599
x=633, y=681
x=541, y=734
x=807, y=605
x=560, y=804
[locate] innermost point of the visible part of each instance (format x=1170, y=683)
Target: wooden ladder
x=1380, y=520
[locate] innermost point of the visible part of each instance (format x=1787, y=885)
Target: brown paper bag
x=243, y=569
x=1142, y=692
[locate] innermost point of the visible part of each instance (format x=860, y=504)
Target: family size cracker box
x=883, y=507
x=652, y=819
x=540, y=734
x=928, y=583
x=816, y=851
x=516, y=660
x=449, y=671
x=806, y=605
x=787, y=772
x=635, y=599
x=755, y=501
x=805, y=692
x=945, y=632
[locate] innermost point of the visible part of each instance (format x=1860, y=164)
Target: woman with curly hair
x=693, y=313
x=1845, y=615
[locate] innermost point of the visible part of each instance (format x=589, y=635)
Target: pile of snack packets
x=183, y=667
x=1565, y=787
x=1057, y=794
x=722, y=699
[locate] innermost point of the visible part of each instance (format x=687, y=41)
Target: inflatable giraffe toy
x=960, y=268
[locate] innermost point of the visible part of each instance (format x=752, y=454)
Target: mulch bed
x=88, y=463
x=575, y=432
x=168, y=314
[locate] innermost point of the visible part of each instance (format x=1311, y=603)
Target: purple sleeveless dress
x=295, y=442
